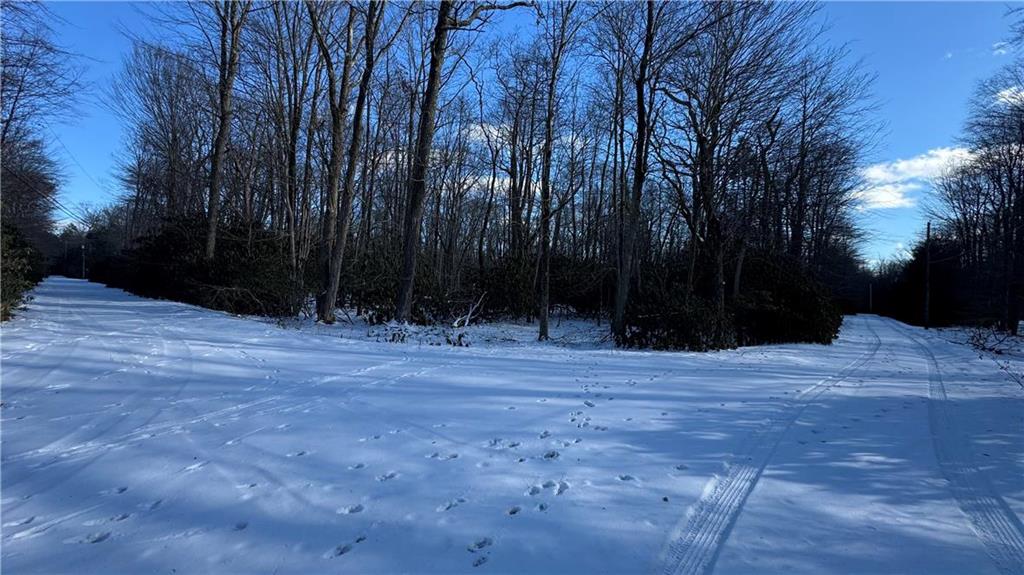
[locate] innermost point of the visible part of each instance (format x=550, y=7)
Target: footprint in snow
x=514, y=510
x=534, y=490
x=387, y=476
x=479, y=561
x=297, y=453
x=97, y=537
x=357, y=508
x=20, y=522
x=562, y=488
x=357, y=466
x=114, y=491
x=195, y=467
x=113, y=519
x=346, y=547
x=241, y=525
x=682, y=467
x=627, y=478
x=545, y=434
x=448, y=506
x=480, y=544
x=342, y=549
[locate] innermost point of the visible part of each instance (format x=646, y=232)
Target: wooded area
x=972, y=267
x=689, y=171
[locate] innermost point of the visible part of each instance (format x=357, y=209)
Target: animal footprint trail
x=559, y=487
x=480, y=544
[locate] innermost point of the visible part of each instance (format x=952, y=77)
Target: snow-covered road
x=150, y=436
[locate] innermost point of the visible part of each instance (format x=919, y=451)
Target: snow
x=151, y=436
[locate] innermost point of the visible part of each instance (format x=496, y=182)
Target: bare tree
x=230, y=15
x=447, y=21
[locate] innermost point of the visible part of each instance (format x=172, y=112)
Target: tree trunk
x=421, y=162
x=631, y=224
x=232, y=17
x=374, y=11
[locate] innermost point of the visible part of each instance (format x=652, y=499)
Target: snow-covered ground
x=149, y=436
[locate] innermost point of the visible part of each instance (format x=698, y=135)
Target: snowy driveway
x=149, y=436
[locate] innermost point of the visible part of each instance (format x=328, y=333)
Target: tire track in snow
x=150, y=429
x=991, y=519
x=64, y=310
x=695, y=548
x=87, y=447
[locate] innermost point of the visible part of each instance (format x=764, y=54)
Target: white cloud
x=480, y=132
x=926, y=166
x=884, y=196
x=890, y=184
x=1012, y=96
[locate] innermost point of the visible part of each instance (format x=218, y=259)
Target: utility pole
x=871, y=297
x=927, y=273
x=83, y=261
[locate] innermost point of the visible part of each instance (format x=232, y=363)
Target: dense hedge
x=689, y=324
x=21, y=267
x=249, y=275
x=786, y=306
x=779, y=303
x=960, y=295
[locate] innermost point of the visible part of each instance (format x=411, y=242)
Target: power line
x=54, y=202
x=74, y=159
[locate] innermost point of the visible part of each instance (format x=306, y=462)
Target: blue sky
x=927, y=56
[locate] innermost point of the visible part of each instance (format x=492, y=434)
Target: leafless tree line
x=39, y=84
x=980, y=201
x=435, y=150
